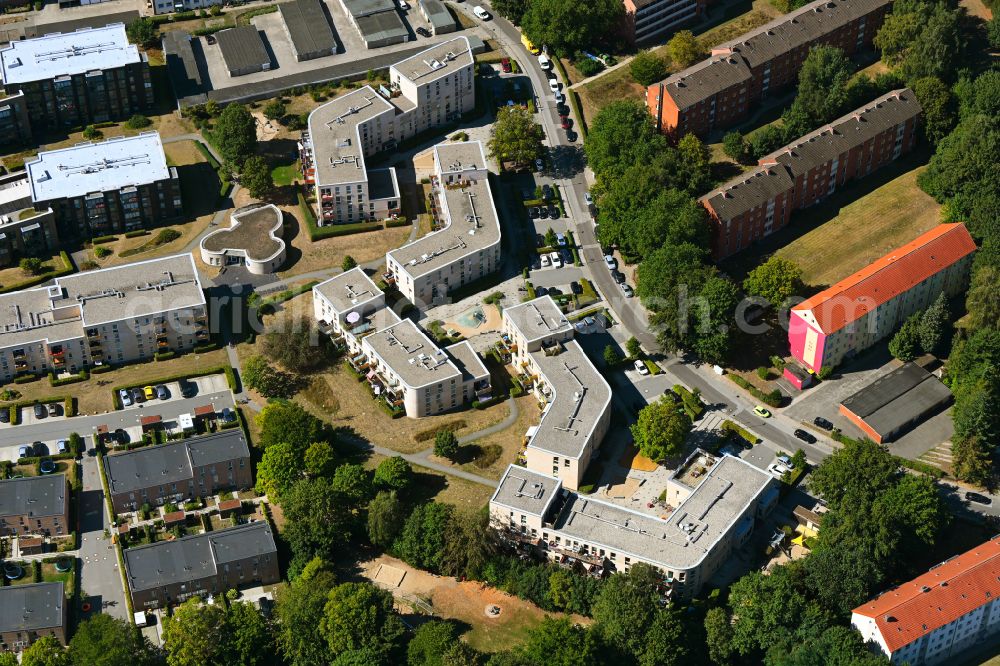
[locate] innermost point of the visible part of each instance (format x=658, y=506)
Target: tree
x=767, y=140
x=661, y=430
x=647, y=68
x=194, y=635
x=235, y=134
x=611, y=356
x=767, y=608
x=250, y=641
x=625, y=609
x=513, y=10
x=297, y=606
x=385, y=518
x=394, y=474
x=621, y=136
x=993, y=32
x=822, y=93
x=353, y=482
x=905, y=345
x=937, y=105
x=633, y=347
x=934, y=325
x=776, y=280
x=289, y=422
x=516, y=137
x=279, y=468
x=469, y=547
x=32, y=266
x=422, y=540
x=684, y=48
x=461, y=653
x=718, y=636
x=8, y=659
x=446, y=444
x=318, y=521
x=142, y=31
x=138, y=121
x=841, y=577
x=264, y=378
x=360, y=616
x=299, y=347
x=348, y=263
x=46, y=651
x=922, y=38
x=256, y=177
x=318, y=459
x=666, y=641
x=275, y=110
x=430, y=642
x=735, y=146
x=566, y=26
x=560, y=642
x=103, y=640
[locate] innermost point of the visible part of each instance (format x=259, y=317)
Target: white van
x=544, y=62
x=481, y=13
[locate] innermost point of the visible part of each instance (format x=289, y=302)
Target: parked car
x=188, y=388
x=553, y=212
x=575, y=287
x=126, y=398
x=561, y=240
x=567, y=256
x=539, y=240
x=641, y=367
x=611, y=262
x=228, y=415
x=40, y=411
x=148, y=392
x=546, y=191
x=562, y=109
x=543, y=212
x=804, y=436
x=5, y=415
x=505, y=65
x=62, y=446
x=571, y=136
x=784, y=460
x=566, y=122
x=546, y=262
x=627, y=290
x=556, y=259
x=778, y=470
x=544, y=61
x=53, y=409
x=23, y=451
x=978, y=498
x=820, y=422
x=481, y=13
x=559, y=97
x=137, y=395
x=589, y=199
x=424, y=32
x=539, y=164
x=554, y=85
x=161, y=392
x=618, y=277
x=762, y=412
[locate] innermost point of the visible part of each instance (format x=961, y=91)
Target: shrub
x=102, y=252
x=763, y=372
x=138, y=121
x=588, y=67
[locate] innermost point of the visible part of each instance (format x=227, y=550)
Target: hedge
x=772, y=399
x=398, y=222
x=164, y=355
x=692, y=403
x=103, y=239
x=67, y=268
x=26, y=379
x=730, y=426
x=205, y=348
x=81, y=376
x=207, y=154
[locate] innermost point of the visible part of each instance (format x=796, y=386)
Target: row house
x=35, y=505
x=29, y=612
x=179, y=471
x=717, y=93
x=803, y=173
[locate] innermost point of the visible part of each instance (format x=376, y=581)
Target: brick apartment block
x=35, y=505
x=759, y=202
x=718, y=92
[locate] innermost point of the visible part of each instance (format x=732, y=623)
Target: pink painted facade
x=806, y=342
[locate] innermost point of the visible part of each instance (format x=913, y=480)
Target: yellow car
x=149, y=392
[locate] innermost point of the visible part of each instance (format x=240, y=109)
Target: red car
x=505, y=65
x=566, y=122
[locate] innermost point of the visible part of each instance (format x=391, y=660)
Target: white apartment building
x=938, y=616
x=116, y=315
x=429, y=89
x=399, y=361
x=577, y=398
x=715, y=517
x=467, y=248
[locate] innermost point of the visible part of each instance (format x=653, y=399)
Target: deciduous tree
x=938, y=112
x=196, y=635
x=102, y=640
x=298, y=607
x=394, y=474
x=430, y=642
x=647, y=68
x=566, y=26
x=264, y=378
x=422, y=539
x=661, y=430
x=446, y=444
x=360, y=616
x=354, y=482
x=905, y=345
x=775, y=280
x=235, y=133
x=285, y=421
x=684, y=48
x=560, y=642
x=385, y=518
x=517, y=138
x=318, y=520
x=256, y=177
x=279, y=468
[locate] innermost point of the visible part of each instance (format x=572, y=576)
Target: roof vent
x=890, y=618
x=925, y=589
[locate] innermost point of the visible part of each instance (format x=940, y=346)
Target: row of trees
x=566, y=26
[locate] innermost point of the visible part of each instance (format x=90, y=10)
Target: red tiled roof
x=204, y=410
x=885, y=279
x=150, y=420
x=173, y=517
x=942, y=595
x=230, y=505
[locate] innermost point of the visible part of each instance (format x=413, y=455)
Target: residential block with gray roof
x=110, y=316
x=72, y=79
x=718, y=92
x=427, y=90
x=36, y=505
x=687, y=546
x=761, y=201
x=202, y=565
x=577, y=398
x=29, y=612
x=179, y=471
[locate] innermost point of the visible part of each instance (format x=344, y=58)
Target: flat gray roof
x=243, y=48
x=382, y=184
x=467, y=360
x=524, y=490
x=106, y=166
x=538, y=318
x=437, y=61
x=349, y=289
x=898, y=398
x=385, y=25
x=32, y=607
x=194, y=557
x=256, y=230
x=457, y=158
x=359, y=8
x=86, y=50
x=412, y=355
x=33, y=496
x=338, y=153
x=580, y=398
x=472, y=226
x=436, y=13
x=171, y=463
x=308, y=27
x=681, y=541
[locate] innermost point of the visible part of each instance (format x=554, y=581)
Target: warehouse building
x=437, y=15
x=112, y=186
x=308, y=28
x=243, y=50
x=377, y=21
x=68, y=80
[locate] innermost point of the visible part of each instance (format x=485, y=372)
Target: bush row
x=772, y=399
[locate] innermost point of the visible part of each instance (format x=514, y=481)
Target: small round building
x=253, y=240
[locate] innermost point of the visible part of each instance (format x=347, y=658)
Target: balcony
x=93, y=334
x=359, y=363
x=201, y=334
x=20, y=363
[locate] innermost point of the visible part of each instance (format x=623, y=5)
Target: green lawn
x=285, y=175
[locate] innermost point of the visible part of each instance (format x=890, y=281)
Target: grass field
x=853, y=227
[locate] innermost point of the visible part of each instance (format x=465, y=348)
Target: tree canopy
x=566, y=26
x=661, y=430
x=235, y=134
x=298, y=606
x=647, y=68
x=102, y=640
x=516, y=138
x=256, y=177
x=775, y=280
x=360, y=616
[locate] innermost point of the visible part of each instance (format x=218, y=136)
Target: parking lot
x=174, y=391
